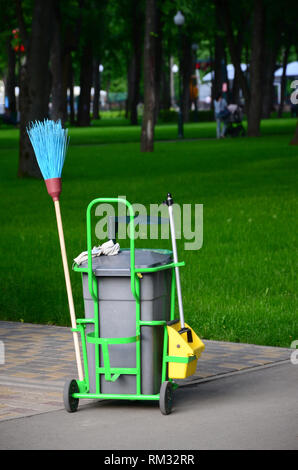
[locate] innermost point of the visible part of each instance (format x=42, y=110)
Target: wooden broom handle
x=69, y=290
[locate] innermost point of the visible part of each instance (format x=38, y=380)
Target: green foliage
x=118, y=85
x=117, y=44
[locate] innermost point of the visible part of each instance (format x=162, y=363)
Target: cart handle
x=132, y=243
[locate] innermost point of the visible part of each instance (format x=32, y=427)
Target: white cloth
x=108, y=248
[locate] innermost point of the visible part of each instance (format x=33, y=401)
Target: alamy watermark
x=152, y=223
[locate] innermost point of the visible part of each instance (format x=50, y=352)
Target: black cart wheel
x=71, y=404
x=166, y=398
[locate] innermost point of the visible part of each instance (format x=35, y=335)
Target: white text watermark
x=152, y=223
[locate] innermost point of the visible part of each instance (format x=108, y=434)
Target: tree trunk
x=256, y=64
x=274, y=29
x=236, y=88
x=10, y=81
x=85, y=84
x=96, y=86
x=134, y=75
x=158, y=65
x=59, y=81
x=127, y=102
x=283, y=81
x=71, y=93
x=234, y=45
x=134, y=69
x=219, y=54
x=165, y=98
x=268, y=78
x=186, y=70
x=147, y=135
x=35, y=81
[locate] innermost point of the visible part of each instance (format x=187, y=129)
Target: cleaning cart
x=133, y=347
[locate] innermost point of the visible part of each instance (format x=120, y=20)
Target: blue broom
x=50, y=141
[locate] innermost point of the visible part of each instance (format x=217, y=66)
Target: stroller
x=234, y=122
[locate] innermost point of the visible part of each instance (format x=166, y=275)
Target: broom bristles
x=49, y=141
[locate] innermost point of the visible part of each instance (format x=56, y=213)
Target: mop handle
x=69, y=290
x=169, y=203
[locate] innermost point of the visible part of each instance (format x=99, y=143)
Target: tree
x=257, y=55
x=96, y=86
x=283, y=79
x=100, y=33
x=272, y=47
x=10, y=51
x=253, y=91
x=10, y=79
x=219, y=56
x=59, y=84
x=65, y=40
x=90, y=33
x=35, y=78
x=271, y=52
x=186, y=71
x=165, y=92
x=234, y=39
x=134, y=68
x=199, y=23
x=85, y=55
x=147, y=135
x=86, y=73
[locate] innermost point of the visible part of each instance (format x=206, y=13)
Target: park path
x=38, y=359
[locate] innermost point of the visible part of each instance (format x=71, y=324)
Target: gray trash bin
x=117, y=317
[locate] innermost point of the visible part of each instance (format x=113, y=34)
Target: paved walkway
x=38, y=359
x=253, y=409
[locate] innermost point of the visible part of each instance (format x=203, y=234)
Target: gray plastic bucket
x=117, y=317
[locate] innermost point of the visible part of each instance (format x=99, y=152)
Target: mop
x=50, y=141
x=184, y=344
x=169, y=202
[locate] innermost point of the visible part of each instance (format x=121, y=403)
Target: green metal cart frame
x=75, y=389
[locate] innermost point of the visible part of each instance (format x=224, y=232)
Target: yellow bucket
x=182, y=356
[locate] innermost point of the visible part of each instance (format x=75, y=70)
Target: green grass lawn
x=241, y=286
x=105, y=133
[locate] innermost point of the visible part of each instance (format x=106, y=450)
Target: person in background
x=221, y=114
